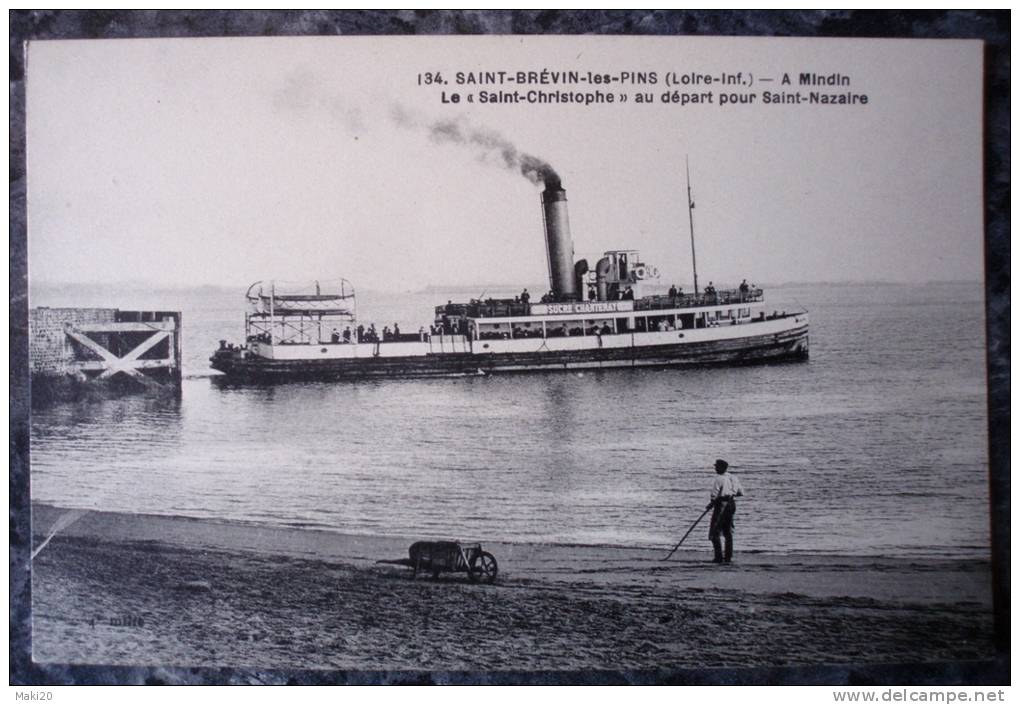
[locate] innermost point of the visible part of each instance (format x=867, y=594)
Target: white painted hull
x=444, y=355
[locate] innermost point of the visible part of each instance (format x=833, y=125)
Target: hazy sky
x=224, y=161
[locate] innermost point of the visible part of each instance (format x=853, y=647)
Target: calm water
x=877, y=445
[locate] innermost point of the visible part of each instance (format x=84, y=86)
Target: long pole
x=696, y=522
x=690, y=216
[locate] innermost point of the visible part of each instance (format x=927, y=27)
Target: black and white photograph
x=484, y=358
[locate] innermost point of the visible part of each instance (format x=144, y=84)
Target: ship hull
x=479, y=357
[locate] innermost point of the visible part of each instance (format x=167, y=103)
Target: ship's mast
x=690, y=216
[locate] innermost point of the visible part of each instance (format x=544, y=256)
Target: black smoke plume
x=491, y=146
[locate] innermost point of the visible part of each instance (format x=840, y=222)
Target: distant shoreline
x=474, y=289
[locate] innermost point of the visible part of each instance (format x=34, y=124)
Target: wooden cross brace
x=111, y=364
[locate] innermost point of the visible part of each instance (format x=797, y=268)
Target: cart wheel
x=483, y=568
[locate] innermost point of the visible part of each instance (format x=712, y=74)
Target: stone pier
x=71, y=348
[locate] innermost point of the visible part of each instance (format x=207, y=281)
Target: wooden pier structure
x=71, y=347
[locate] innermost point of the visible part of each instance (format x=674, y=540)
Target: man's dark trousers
x=722, y=523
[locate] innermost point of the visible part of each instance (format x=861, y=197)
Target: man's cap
x=721, y=464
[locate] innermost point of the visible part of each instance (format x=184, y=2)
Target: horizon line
x=176, y=286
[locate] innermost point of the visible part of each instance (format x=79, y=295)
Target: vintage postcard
x=507, y=353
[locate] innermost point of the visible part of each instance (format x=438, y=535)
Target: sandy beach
x=146, y=590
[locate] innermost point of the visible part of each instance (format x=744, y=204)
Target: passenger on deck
x=744, y=290
x=396, y=332
x=386, y=333
x=606, y=330
x=361, y=332
x=628, y=295
x=525, y=297
x=334, y=337
x=592, y=292
x=347, y=334
x=672, y=292
x=421, y=334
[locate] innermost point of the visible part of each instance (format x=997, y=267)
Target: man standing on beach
x=725, y=490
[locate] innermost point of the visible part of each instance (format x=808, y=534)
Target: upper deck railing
x=509, y=308
x=718, y=298
x=313, y=299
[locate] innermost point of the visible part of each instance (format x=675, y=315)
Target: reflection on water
x=138, y=423
x=877, y=445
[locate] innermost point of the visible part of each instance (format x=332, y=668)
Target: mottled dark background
x=991, y=26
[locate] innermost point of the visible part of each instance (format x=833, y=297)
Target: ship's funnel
x=602, y=278
x=559, y=246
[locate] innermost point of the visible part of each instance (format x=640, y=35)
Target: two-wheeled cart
x=438, y=557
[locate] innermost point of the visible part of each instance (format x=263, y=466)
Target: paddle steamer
x=590, y=319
